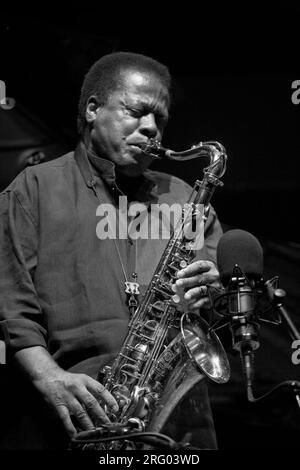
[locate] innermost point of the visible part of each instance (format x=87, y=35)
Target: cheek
x=116, y=129
x=108, y=134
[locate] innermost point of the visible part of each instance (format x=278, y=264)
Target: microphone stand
x=276, y=297
x=240, y=307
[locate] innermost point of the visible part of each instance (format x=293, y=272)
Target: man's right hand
x=73, y=397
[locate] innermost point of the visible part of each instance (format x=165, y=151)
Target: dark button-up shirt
x=61, y=285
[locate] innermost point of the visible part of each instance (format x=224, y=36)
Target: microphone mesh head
x=241, y=248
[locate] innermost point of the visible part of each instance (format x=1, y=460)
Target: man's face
x=133, y=114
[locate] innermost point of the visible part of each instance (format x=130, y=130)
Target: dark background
x=232, y=73
x=232, y=83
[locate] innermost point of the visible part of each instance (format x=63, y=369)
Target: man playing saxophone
x=63, y=306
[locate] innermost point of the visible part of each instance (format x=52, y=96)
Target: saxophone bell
x=204, y=348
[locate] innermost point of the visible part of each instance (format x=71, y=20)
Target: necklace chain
x=131, y=287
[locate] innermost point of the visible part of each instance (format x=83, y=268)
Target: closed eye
x=134, y=112
x=160, y=118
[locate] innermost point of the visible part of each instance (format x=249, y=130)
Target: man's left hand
x=193, y=280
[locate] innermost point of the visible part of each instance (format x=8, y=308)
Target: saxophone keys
x=176, y=298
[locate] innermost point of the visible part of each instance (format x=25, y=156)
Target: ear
x=92, y=108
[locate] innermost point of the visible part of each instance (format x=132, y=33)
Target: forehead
x=145, y=85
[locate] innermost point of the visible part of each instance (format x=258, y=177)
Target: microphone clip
x=238, y=304
x=241, y=295
x=241, y=303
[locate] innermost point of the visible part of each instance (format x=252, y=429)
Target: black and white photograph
x=149, y=233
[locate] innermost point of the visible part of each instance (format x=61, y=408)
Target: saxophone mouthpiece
x=155, y=149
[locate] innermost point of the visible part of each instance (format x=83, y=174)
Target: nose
x=148, y=126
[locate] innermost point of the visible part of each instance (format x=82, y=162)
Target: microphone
x=240, y=264
x=241, y=248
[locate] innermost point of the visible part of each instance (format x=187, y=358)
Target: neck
x=88, y=142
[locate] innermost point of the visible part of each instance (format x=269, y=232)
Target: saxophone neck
x=211, y=149
x=218, y=158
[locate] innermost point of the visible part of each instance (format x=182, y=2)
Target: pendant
x=132, y=289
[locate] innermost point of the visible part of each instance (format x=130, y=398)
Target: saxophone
x=166, y=351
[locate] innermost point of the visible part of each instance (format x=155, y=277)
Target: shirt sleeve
x=21, y=317
x=212, y=234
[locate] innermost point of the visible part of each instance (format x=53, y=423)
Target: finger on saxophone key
x=179, y=293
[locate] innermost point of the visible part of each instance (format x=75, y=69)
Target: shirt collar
x=92, y=166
